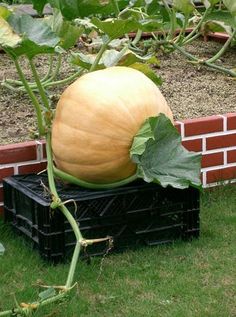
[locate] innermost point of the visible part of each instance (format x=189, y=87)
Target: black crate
x=134, y=215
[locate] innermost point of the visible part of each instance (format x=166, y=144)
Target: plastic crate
x=134, y=215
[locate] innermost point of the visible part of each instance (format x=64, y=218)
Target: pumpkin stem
x=74, y=180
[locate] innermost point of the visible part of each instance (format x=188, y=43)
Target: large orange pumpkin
x=96, y=120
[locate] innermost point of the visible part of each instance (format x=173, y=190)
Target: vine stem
x=188, y=38
x=33, y=98
x=137, y=37
x=74, y=180
x=202, y=62
x=64, y=81
x=222, y=50
x=99, y=55
x=49, y=68
x=172, y=19
x=39, y=85
x=64, y=210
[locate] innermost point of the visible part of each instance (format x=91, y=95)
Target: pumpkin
x=96, y=120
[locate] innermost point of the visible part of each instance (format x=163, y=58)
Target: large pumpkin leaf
x=221, y=16
x=231, y=6
x=68, y=33
x=72, y=9
x=8, y=38
x=161, y=158
x=37, y=37
x=116, y=28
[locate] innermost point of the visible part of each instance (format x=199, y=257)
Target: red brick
x=1, y=194
x=193, y=145
x=213, y=159
x=221, y=174
x=20, y=152
x=5, y=172
x=178, y=126
x=231, y=156
x=1, y=211
x=221, y=141
x=32, y=168
x=203, y=125
x=44, y=150
x=231, y=121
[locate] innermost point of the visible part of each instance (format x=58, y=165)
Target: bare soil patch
x=191, y=91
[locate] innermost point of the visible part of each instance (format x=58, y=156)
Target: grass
x=186, y=279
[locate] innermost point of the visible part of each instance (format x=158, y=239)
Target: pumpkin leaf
x=50, y=292
x=231, y=6
x=146, y=69
x=217, y=26
x=80, y=8
x=36, y=36
x=185, y=6
x=161, y=158
x=221, y=16
x=8, y=38
x=2, y=249
x=130, y=58
x=39, y=5
x=210, y=3
x=85, y=60
x=68, y=33
x=116, y=28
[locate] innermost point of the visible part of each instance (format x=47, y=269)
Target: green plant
x=181, y=22
x=22, y=36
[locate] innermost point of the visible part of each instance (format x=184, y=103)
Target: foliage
x=101, y=24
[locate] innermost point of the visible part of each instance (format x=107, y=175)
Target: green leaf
x=68, y=33
x=130, y=58
x=37, y=37
x=161, y=158
x=231, y=6
x=35, y=30
x=2, y=249
x=72, y=9
x=115, y=28
x=108, y=59
x=222, y=16
x=84, y=60
x=8, y=38
x=50, y=292
x=4, y=12
x=39, y=5
x=217, y=26
x=146, y=69
x=210, y=3
x=185, y=6
x=149, y=25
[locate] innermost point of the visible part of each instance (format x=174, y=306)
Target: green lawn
x=186, y=279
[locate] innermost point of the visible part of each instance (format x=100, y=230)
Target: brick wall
x=214, y=137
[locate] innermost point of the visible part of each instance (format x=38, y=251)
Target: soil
x=191, y=91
